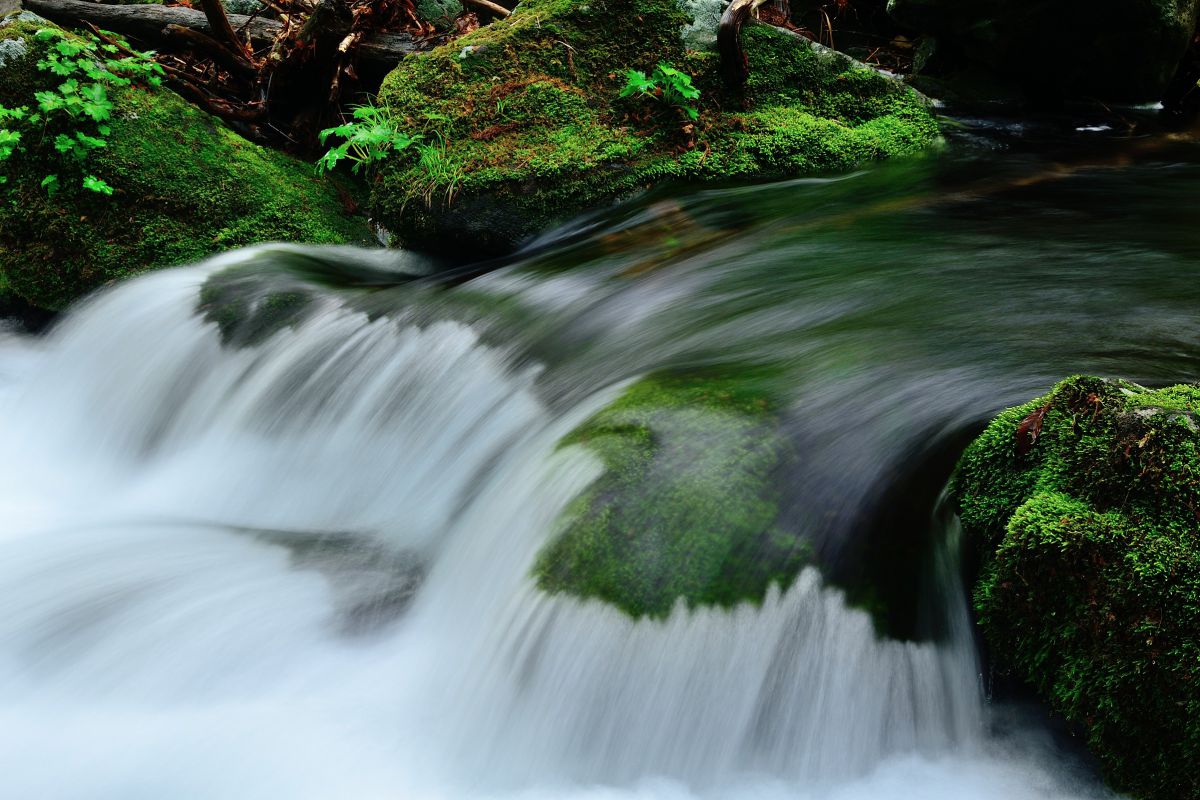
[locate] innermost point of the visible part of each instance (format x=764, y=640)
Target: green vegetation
x=533, y=128
x=184, y=185
x=1084, y=505
x=687, y=505
x=367, y=138
x=667, y=85
x=75, y=115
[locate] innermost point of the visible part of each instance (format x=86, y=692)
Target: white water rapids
x=300, y=570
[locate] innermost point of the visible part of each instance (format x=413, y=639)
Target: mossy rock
x=250, y=304
x=530, y=129
x=687, y=506
x=1124, y=50
x=186, y=186
x=1089, y=533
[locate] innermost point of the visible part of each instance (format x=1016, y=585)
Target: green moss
x=687, y=505
x=186, y=187
x=1090, y=588
x=534, y=131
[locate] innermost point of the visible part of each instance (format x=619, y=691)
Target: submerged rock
x=687, y=505
x=184, y=186
x=1109, y=50
x=524, y=125
x=1085, y=507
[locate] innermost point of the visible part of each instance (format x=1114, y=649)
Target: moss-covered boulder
x=184, y=186
x=528, y=127
x=1125, y=50
x=687, y=505
x=1085, y=507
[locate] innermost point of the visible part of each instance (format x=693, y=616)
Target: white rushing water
x=301, y=571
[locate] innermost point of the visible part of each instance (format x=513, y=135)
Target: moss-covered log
x=1085, y=507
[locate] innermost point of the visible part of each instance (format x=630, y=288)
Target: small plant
x=74, y=117
x=667, y=85
x=371, y=136
x=367, y=139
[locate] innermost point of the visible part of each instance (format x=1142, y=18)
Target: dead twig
x=223, y=31
x=208, y=46
x=495, y=8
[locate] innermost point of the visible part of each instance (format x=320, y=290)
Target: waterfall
x=301, y=570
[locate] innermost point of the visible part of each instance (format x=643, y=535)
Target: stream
x=298, y=566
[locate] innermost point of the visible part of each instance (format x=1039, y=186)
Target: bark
x=734, y=68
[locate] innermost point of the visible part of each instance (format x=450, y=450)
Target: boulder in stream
x=687, y=506
x=523, y=124
x=1084, y=506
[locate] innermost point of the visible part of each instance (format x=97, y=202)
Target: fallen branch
x=203, y=43
x=222, y=30
x=183, y=84
x=147, y=22
x=495, y=8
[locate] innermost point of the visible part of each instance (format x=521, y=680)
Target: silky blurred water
x=300, y=568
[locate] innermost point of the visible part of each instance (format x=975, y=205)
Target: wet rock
x=687, y=506
x=1084, y=507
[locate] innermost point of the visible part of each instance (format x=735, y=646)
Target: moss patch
x=1090, y=589
x=186, y=187
x=532, y=130
x=687, y=505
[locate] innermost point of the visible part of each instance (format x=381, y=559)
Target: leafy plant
x=368, y=138
x=371, y=136
x=669, y=86
x=74, y=117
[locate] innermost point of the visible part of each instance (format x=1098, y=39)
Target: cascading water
x=301, y=569
x=164, y=631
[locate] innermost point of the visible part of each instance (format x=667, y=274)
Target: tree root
x=735, y=68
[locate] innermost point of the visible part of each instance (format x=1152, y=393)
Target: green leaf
x=59, y=68
x=64, y=144
x=68, y=47
x=94, y=184
x=48, y=101
x=98, y=106
x=50, y=184
x=90, y=142
x=9, y=140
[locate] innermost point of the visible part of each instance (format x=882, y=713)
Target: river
x=297, y=566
